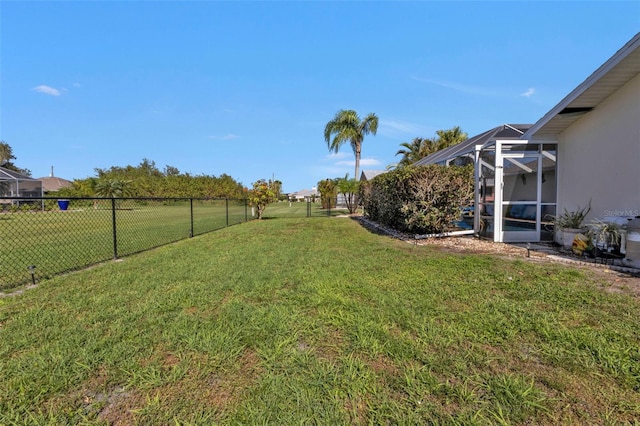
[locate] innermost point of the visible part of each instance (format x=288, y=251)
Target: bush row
x=418, y=199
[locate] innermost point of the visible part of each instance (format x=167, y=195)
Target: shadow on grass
x=374, y=227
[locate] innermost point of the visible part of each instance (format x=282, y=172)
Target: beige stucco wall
x=599, y=157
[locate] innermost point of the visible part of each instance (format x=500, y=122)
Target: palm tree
x=450, y=137
x=421, y=147
x=349, y=189
x=414, y=150
x=347, y=126
x=113, y=188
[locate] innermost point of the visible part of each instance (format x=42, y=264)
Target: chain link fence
x=305, y=208
x=42, y=237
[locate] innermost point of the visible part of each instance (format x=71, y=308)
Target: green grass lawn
x=57, y=241
x=284, y=209
x=299, y=321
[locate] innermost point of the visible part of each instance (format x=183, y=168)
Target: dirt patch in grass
x=119, y=406
x=385, y=366
x=216, y=391
x=356, y=408
x=224, y=391
x=330, y=348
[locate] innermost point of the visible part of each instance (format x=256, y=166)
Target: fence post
x=191, y=208
x=226, y=203
x=246, y=214
x=113, y=225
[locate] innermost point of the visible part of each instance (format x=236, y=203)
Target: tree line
x=147, y=180
x=143, y=180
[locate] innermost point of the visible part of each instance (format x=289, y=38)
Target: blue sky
x=246, y=88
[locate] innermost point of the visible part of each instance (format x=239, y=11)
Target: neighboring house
x=13, y=184
x=584, y=150
x=370, y=174
x=305, y=194
x=53, y=184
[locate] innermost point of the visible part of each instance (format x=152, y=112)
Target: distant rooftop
x=304, y=193
x=370, y=174
x=51, y=183
x=54, y=183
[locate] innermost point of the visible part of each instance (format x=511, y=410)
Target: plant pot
x=568, y=235
x=63, y=204
x=557, y=236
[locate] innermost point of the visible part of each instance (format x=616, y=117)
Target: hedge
x=419, y=199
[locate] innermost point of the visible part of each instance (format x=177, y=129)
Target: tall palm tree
x=347, y=126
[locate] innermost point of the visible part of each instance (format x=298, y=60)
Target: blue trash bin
x=63, y=204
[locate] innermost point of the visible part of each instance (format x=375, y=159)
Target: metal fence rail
x=47, y=236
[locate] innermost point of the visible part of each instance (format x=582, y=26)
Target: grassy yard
x=57, y=241
x=284, y=209
x=318, y=321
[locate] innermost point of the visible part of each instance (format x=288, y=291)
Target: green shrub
x=423, y=199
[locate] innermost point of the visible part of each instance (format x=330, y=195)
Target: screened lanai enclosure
x=515, y=183
x=13, y=184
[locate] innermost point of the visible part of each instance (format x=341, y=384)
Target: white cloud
x=397, y=129
x=458, y=87
x=227, y=137
x=47, y=90
x=529, y=92
x=337, y=155
x=363, y=162
x=369, y=162
x=76, y=85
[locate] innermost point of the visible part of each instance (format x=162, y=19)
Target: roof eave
x=598, y=74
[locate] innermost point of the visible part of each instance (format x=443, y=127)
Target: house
x=14, y=184
x=370, y=174
x=585, y=150
x=52, y=184
x=597, y=131
x=305, y=194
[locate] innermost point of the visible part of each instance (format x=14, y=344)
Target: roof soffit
x=611, y=76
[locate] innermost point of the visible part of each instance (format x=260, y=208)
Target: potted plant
x=569, y=224
x=605, y=236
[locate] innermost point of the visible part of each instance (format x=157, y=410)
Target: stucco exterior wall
x=599, y=157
